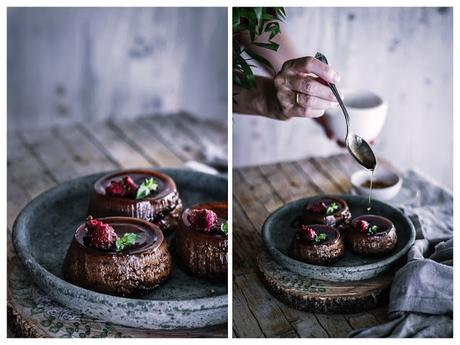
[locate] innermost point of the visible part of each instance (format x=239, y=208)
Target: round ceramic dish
x=278, y=232
x=45, y=227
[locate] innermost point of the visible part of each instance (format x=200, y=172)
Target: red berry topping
x=124, y=187
x=361, y=225
x=319, y=207
x=307, y=233
x=202, y=219
x=100, y=235
x=130, y=186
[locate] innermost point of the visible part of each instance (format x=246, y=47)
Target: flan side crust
x=204, y=255
x=372, y=246
x=120, y=275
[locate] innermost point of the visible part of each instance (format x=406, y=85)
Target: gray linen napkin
x=421, y=294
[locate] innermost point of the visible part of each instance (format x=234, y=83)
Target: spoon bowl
x=361, y=151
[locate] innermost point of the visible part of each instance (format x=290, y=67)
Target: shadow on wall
x=80, y=64
x=390, y=51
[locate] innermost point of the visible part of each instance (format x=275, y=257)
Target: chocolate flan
x=201, y=240
x=119, y=256
x=317, y=244
x=144, y=194
x=372, y=236
x=328, y=210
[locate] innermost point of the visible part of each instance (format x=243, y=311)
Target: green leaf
x=260, y=59
x=320, y=237
x=224, y=227
x=270, y=45
x=332, y=208
x=128, y=239
x=372, y=230
x=273, y=28
x=146, y=188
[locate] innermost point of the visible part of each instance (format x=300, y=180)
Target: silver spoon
x=356, y=145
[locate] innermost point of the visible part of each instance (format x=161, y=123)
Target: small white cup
x=389, y=177
x=367, y=113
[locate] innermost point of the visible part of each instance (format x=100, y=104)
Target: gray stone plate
x=44, y=229
x=278, y=232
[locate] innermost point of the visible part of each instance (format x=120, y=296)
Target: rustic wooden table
x=40, y=159
x=257, y=192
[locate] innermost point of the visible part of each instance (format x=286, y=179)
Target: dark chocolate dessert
x=327, y=210
x=201, y=240
x=317, y=244
x=144, y=194
x=119, y=256
x=372, y=236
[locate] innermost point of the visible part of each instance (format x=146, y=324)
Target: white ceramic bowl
x=367, y=113
x=381, y=175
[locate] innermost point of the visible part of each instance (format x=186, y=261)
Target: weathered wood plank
x=341, y=180
x=309, y=327
x=25, y=169
x=49, y=149
x=247, y=239
x=302, y=187
x=259, y=189
x=169, y=130
x=245, y=325
x=315, y=176
x=216, y=131
x=17, y=199
x=335, y=324
x=146, y=143
x=270, y=318
x=84, y=155
x=361, y=320
x=255, y=211
x=278, y=182
x=115, y=146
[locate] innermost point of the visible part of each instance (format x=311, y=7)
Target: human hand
x=300, y=88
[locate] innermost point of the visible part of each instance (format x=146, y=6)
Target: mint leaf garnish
x=320, y=237
x=146, y=188
x=128, y=239
x=224, y=228
x=332, y=208
x=372, y=230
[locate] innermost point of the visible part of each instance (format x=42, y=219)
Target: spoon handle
x=333, y=88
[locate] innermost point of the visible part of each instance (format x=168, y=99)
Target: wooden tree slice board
x=322, y=296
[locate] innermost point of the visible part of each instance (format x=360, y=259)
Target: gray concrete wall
x=80, y=64
x=403, y=54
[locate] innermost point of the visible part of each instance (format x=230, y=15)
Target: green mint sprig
x=372, y=230
x=224, y=228
x=128, y=239
x=146, y=188
x=332, y=208
x=320, y=237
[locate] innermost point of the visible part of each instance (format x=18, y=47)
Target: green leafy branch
x=256, y=21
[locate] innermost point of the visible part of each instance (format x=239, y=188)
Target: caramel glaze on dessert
x=134, y=271
x=372, y=245
x=162, y=208
x=323, y=253
x=204, y=254
x=340, y=219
